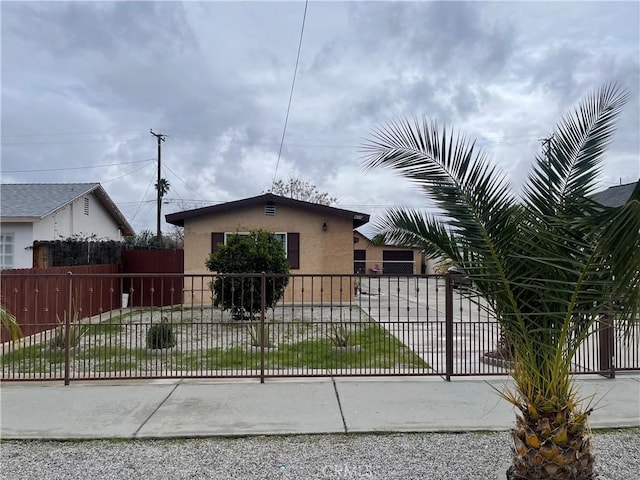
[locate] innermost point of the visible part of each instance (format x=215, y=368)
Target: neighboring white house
x=55, y=211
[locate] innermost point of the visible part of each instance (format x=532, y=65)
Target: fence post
x=607, y=345
x=448, y=307
x=67, y=329
x=263, y=292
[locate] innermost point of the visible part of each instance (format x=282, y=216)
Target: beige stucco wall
x=329, y=252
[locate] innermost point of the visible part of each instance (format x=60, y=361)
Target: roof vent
x=269, y=210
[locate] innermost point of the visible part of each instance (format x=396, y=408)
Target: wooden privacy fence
x=328, y=325
x=158, y=291
x=39, y=298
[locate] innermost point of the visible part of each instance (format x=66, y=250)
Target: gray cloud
x=216, y=78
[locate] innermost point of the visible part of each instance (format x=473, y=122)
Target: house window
x=290, y=243
x=6, y=250
x=283, y=239
x=279, y=235
x=86, y=205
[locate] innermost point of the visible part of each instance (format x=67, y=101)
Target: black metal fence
x=269, y=326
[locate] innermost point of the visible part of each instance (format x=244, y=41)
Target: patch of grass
x=300, y=346
x=378, y=349
x=108, y=327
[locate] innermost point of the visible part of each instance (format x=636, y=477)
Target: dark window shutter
x=216, y=238
x=293, y=250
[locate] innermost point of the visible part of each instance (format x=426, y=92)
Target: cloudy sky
x=83, y=82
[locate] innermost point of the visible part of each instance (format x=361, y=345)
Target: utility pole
x=160, y=138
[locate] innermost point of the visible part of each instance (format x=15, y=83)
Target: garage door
x=397, y=262
x=359, y=262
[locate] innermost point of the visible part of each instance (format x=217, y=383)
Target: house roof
x=34, y=201
x=178, y=218
x=371, y=239
x=615, y=196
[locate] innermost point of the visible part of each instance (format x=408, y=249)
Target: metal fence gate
x=319, y=325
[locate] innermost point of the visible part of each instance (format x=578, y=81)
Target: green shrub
x=76, y=330
x=259, y=251
x=160, y=335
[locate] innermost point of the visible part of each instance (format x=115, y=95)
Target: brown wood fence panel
x=38, y=297
x=147, y=291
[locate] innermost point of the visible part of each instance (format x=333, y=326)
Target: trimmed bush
x=259, y=251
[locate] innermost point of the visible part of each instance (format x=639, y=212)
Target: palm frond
x=8, y=321
x=549, y=265
x=474, y=197
x=568, y=170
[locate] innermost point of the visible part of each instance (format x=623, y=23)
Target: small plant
x=256, y=338
x=160, y=335
x=340, y=335
x=76, y=331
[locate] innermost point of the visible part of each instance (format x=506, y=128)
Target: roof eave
x=19, y=219
x=178, y=218
x=125, y=227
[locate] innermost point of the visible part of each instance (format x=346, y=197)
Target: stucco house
x=371, y=258
x=318, y=238
x=54, y=211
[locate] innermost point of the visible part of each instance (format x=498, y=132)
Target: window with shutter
x=290, y=242
x=293, y=250
x=216, y=238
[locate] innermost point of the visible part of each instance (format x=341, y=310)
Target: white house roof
x=37, y=200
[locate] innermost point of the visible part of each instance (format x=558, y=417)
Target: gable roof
x=371, y=239
x=615, y=196
x=34, y=201
x=178, y=218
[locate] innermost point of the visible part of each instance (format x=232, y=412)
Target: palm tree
x=550, y=262
x=163, y=186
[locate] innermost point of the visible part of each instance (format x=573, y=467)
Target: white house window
x=283, y=239
x=228, y=234
x=279, y=235
x=6, y=250
x=290, y=244
x=86, y=205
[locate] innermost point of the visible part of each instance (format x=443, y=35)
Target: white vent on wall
x=86, y=205
x=269, y=210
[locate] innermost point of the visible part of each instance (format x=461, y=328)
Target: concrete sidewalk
x=199, y=408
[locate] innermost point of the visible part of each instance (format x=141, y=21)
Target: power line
x=295, y=71
x=183, y=182
x=20, y=135
x=143, y=198
x=125, y=175
x=78, y=168
x=73, y=141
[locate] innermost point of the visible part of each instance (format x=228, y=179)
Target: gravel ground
x=464, y=456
